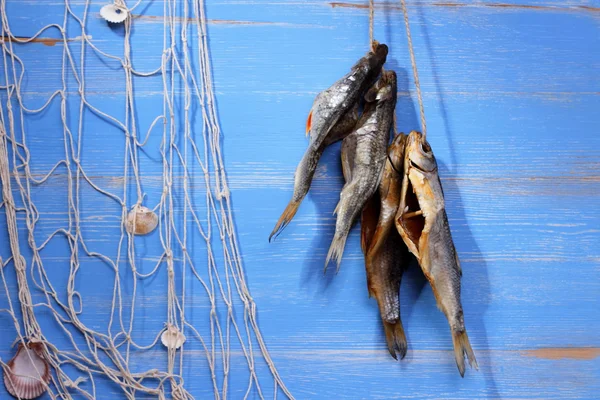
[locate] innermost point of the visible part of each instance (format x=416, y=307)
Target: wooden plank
x=511, y=92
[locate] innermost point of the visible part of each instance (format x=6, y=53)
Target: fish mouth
x=388, y=76
x=411, y=218
x=420, y=153
x=379, y=49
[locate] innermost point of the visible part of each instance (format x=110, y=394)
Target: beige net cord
x=414, y=68
x=412, y=59
x=104, y=353
x=371, y=20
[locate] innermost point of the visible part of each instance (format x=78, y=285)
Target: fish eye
x=425, y=148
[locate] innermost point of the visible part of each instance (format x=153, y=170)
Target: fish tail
x=285, y=218
x=336, y=250
x=396, y=339
x=462, y=347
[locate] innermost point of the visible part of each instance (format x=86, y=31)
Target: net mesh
x=171, y=161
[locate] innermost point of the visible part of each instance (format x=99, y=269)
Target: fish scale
x=332, y=117
x=370, y=136
x=427, y=234
x=386, y=255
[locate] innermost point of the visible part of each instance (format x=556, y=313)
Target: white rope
x=371, y=21
x=414, y=68
x=185, y=150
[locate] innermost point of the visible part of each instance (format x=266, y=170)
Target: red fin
x=309, y=123
x=285, y=218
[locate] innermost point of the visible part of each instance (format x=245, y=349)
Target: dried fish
x=423, y=224
x=332, y=117
x=372, y=134
x=386, y=255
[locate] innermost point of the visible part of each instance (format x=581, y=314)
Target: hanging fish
x=371, y=135
x=386, y=255
x=423, y=224
x=332, y=117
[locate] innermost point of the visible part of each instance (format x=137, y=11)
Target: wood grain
x=511, y=92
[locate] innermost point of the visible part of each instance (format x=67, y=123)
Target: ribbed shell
x=172, y=338
x=113, y=13
x=22, y=377
x=145, y=220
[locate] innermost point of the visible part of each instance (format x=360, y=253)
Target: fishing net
x=67, y=194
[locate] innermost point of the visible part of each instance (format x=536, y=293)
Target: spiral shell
x=113, y=13
x=27, y=374
x=145, y=220
x=172, y=338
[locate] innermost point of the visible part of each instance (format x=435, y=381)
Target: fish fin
x=336, y=250
x=462, y=347
x=458, y=264
x=377, y=239
x=347, y=189
x=346, y=162
x=309, y=123
x=383, y=224
x=371, y=94
x=343, y=127
x=285, y=218
x=384, y=183
x=368, y=222
x=383, y=95
x=396, y=339
x=337, y=207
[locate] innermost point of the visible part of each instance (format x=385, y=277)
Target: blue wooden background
x=512, y=98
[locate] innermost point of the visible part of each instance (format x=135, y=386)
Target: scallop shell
x=22, y=376
x=144, y=218
x=172, y=338
x=113, y=13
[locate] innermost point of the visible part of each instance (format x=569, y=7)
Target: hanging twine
x=414, y=68
x=371, y=19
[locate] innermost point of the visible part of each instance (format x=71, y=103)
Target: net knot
x=74, y=384
x=224, y=193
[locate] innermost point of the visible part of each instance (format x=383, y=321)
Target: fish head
x=384, y=89
x=373, y=60
x=389, y=86
x=377, y=55
x=379, y=51
x=396, y=150
x=419, y=154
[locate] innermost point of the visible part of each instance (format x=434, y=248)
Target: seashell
x=145, y=220
x=113, y=13
x=172, y=338
x=22, y=376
